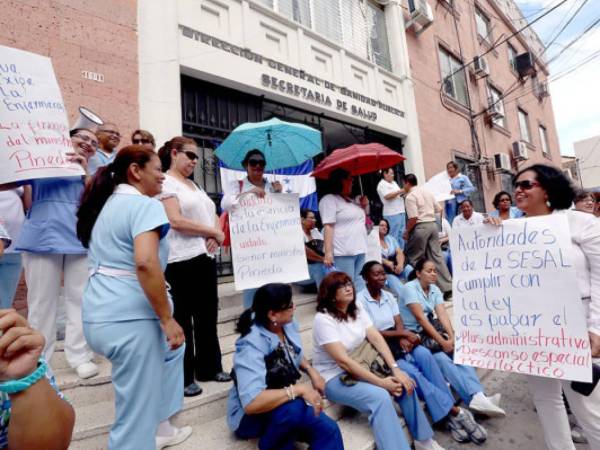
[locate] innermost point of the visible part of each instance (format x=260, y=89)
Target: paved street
x=519, y=430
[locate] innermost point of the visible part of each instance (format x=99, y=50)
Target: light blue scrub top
x=513, y=213
x=50, y=224
x=99, y=160
x=462, y=182
x=250, y=369
x=126, y=214
x=413, y=293
x=382, y=312
x=392, y=244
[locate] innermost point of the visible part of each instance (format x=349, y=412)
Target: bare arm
x=27, y=197
x=8, y=186
x=328, y=243
x=186, y=226
x=269, y=399
x=410, y=224
x=442, y=315
x=417, y=310
x=311, y=255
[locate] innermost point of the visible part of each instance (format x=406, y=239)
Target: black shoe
x=191, y=390
x=222, y=377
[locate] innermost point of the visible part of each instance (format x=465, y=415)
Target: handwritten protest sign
x=266, y=241
x=34, y=131
x=516, y=303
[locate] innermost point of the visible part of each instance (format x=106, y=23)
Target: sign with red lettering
x=267, y=244
x=34, y=130
x=517, y=306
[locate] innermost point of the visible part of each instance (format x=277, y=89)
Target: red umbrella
x=358, y=159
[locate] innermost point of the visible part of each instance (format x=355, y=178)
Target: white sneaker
x=181, y=434
x=87, y=370
x=430, y=444
x=496, y=398
x=483, y=405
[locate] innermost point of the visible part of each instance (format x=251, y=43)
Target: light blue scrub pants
x=10, y=273
x=147, y=377
x=352, y=265
x=463, y=379
x=377, y=403
x=397, y=226
x=421, y=366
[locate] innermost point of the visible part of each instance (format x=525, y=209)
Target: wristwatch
x=394, y=366
x=14, y=386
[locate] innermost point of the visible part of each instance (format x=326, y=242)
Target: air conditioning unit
x=519, y=149
x=494, y=109
x=420, y=12
x=502, y=162
x=542, y=90
x=480, y=66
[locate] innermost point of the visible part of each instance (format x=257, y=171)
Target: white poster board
x=439, y=186
x=34, y=129
x=267, y=244
x=517, y=307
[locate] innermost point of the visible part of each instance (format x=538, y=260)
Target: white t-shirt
x=327, y=329
x=393, y=206
x=314, y=234
x=475, y=219
x=11, y=214
x=446, y=228
x=195, y=205
x=349, y=231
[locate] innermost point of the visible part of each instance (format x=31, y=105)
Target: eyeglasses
x=191, y=155
x=346, y=285
x=257, y=162
x=87, y=139
x=114, y=133
x=141, y=141
x=526, y=185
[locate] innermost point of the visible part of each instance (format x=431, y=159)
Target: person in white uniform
x=127, y=313
x=392, y=197
x=468, y=217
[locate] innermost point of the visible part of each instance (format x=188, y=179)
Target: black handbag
x=427, y=341
x=281, y=370
x=317, y=246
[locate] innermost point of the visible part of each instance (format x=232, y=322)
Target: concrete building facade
x=474, y=114
x=587, y=153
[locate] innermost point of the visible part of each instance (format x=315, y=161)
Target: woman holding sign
x=52, y=253
x=542, y=190
x=254, y=183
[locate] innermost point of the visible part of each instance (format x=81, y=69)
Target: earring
x=274, y=323
x=548, y=204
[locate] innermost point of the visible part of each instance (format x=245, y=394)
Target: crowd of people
x=127, y=245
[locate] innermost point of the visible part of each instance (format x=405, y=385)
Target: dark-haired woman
x=504, y=207
x=344, y=227
x=254, y=183
x=313, y=244
x=422, y=300
x=269, y=404
x=462, y=188
x=541, y=190
x=413, y=358
x=194, y=238
x=52, y=254
x=127, y=314
x=392, y=198
x=340, y=327
x=392, y=259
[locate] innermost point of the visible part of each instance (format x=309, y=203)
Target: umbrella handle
x=361, y=186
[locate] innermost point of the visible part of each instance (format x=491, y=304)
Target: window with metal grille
x=453, y=80
x=483, y=24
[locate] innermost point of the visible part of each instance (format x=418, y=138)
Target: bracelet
x=14, y=386
x=288, y=393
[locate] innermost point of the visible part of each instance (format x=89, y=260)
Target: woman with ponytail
x=266, y=401
x=127, y=314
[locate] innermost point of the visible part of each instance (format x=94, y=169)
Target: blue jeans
x=448, y=258
x=463, y=379
x=147, y=378
x=421, y=366
x=397, y=227
x=377, y=402
x=317, y=273
x=295, y=420
x=352, y=265
x=10, y=273
x=451, y=209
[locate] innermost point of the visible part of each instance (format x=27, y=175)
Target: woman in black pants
x=194, y=238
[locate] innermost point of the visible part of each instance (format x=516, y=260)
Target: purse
x=367, y=356
x=317, y=246
x=427, y=341
x=281, y=371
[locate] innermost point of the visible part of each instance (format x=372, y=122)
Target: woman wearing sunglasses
x=143, y=138
x=541, y=190
x=194, y=238
x=253, y=183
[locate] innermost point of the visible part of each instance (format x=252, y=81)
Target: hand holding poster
x=439, y=185
x=34, y=131
x=266, y=241
x=516, y=303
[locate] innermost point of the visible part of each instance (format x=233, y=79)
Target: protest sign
x=439, y=185
x=517, y=307
x=266, y=241
x=34, y=130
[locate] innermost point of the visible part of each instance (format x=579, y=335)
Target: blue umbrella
x=283, y=144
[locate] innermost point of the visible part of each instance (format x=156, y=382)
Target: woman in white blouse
x=344, y=227
x=193, y=239
x=542, y=190
x=392, y=197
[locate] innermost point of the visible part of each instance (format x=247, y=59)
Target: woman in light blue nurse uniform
x=127, y=315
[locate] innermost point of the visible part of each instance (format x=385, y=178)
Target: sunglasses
x=141, y=141
x=87, y=139
x=257, y=162
x=526, y=185
x=191, y=155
